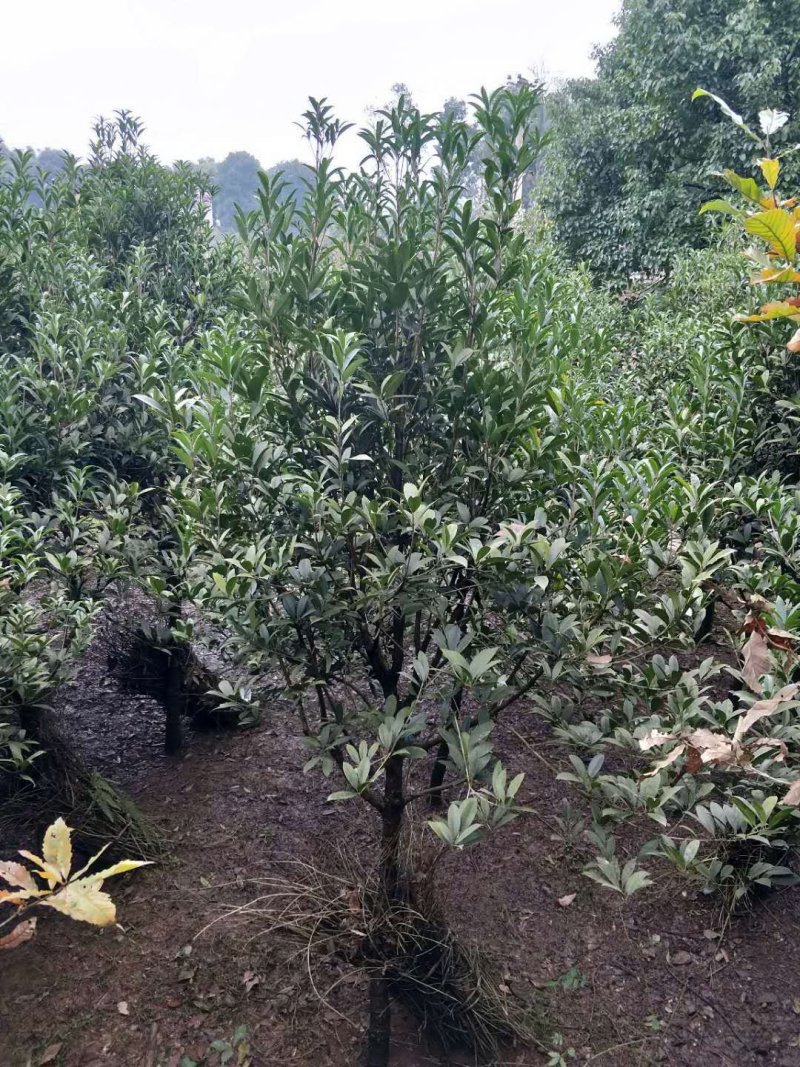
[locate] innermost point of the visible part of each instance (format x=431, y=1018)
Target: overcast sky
x=210, y=77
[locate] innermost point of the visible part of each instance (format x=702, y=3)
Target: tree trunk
x=173, y=700
x=380, y=1011
x=442, y=752
x=437, y=775
x=380, y=1022
x=391, y=830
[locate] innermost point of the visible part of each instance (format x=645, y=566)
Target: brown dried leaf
x=122, y=1007
x=781, y=639
x=794, y=343
x=713, y=747
x=694, y=761
x=21, y=933
x=666, y=761
x=49, y=1054
x=654, y=738
x=762, y=708
x=565, y=901
x=757, y=660
x=793, y=795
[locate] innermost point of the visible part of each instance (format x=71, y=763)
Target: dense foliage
x=632, y=159
x=412, y=471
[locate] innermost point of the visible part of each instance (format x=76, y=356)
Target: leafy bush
x=631, y=160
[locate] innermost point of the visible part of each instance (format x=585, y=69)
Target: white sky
x=213, y=76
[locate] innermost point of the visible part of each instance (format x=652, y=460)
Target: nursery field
x=410, y=618
x=660, y=979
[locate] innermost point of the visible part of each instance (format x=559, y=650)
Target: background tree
x=632, y=159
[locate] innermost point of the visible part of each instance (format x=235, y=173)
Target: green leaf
x=776, y=227
x=727, y=110
x=481, y=662
x=748, y=187
x=722, y=207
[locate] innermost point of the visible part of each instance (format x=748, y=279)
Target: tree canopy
x=632, y=157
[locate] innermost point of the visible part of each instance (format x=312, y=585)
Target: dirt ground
x=655, y=980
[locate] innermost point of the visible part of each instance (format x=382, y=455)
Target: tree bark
x=380, y=1011
x=437, y=775
x=173, y=701
x=440, y=766
x=380, y=1020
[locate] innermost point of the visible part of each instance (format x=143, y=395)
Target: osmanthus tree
x=720, y=775
x=366, y=475
x=108, y=272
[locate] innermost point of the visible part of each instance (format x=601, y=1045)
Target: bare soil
x=657, y=979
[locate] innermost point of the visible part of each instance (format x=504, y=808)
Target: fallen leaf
x=598, y=661
x=762, y=708
x=21, y=933
x=694, y=761
x=250, y=980
x=666, y=761
x=49, y=1054
x=713, y=747
x=793, y=795
x=565, y=901
x=57, y=848
x=781, y=639
x=655, y=737
x=122, y=1007
x=757, y=660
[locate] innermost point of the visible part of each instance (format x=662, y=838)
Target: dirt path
x=647, y=982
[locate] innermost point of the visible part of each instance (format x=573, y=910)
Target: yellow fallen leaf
x=16, y=896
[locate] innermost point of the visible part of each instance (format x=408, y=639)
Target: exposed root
x=454, y=989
